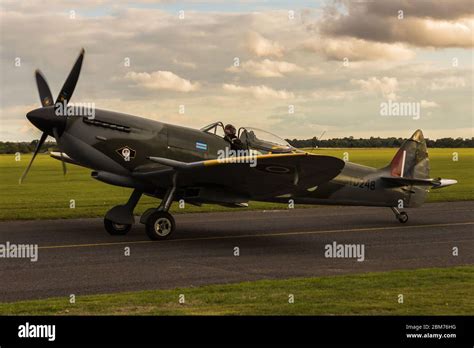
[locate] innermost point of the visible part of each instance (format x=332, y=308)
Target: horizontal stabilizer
x=433, y=183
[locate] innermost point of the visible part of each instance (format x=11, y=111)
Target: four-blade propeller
x=43, y=119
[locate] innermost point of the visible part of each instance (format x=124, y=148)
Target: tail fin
x=411, y=160
x=410, y=170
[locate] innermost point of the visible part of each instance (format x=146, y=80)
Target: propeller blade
x=56, y=136
x=38, y=146
x=68, y=87
x=43, y=89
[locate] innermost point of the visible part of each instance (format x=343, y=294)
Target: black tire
x=116, y=229
x=159, y=225
x=402, y=217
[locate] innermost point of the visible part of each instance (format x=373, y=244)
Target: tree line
x=377, y=142
x=23, y=147
x=7, y=147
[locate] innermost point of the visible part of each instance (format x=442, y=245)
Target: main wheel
x=116, y=229
x=159, y=225
x=402, y=217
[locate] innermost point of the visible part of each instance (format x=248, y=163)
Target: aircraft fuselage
x=99, y=142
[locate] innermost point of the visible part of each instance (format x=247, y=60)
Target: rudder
x=411, y=160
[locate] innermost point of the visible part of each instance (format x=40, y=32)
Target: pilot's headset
x=230, y=129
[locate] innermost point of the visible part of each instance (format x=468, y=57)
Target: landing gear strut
x=401, y=216
x=159, y=224
x=119, y=219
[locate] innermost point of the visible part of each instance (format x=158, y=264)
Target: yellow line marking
x=284, y=211
x=280, y=234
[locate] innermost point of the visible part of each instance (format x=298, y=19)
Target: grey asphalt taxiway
x=78, y=257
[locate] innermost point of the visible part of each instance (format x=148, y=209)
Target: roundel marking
x=277, y=169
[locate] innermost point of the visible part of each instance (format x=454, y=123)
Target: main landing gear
x=159, y=224
x=401, y=216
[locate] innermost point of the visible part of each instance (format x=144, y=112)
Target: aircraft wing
x=253, y=176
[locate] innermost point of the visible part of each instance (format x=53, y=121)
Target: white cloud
x=357, y=49
x=262, y=47
x=426, y=104
x=314, y=70
x=189, y=65
x=450, y=25
x=448, y=82
x=266, y=68
x=162, y=80
x=329, y=95
x=386, y=86
x=259, y=92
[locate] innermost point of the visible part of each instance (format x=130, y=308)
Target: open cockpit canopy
x=255, y=139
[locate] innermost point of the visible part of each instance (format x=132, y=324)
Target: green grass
x=46, y=193
x=436, y=291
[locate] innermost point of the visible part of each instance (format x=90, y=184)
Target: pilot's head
x=229, y=129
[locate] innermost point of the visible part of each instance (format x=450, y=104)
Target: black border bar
x=241, y=329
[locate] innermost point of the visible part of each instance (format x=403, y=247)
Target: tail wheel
x=402, y=217
x=116, y=229
x=159, y=225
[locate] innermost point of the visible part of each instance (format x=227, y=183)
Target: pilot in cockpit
x=231, y=137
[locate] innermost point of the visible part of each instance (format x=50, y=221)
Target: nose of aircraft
x=46, y=119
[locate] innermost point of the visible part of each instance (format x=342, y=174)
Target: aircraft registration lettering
x=367, y=184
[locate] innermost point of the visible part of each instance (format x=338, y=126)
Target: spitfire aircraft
x=171, y=163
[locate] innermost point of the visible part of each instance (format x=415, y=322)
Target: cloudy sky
x=250, y=63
